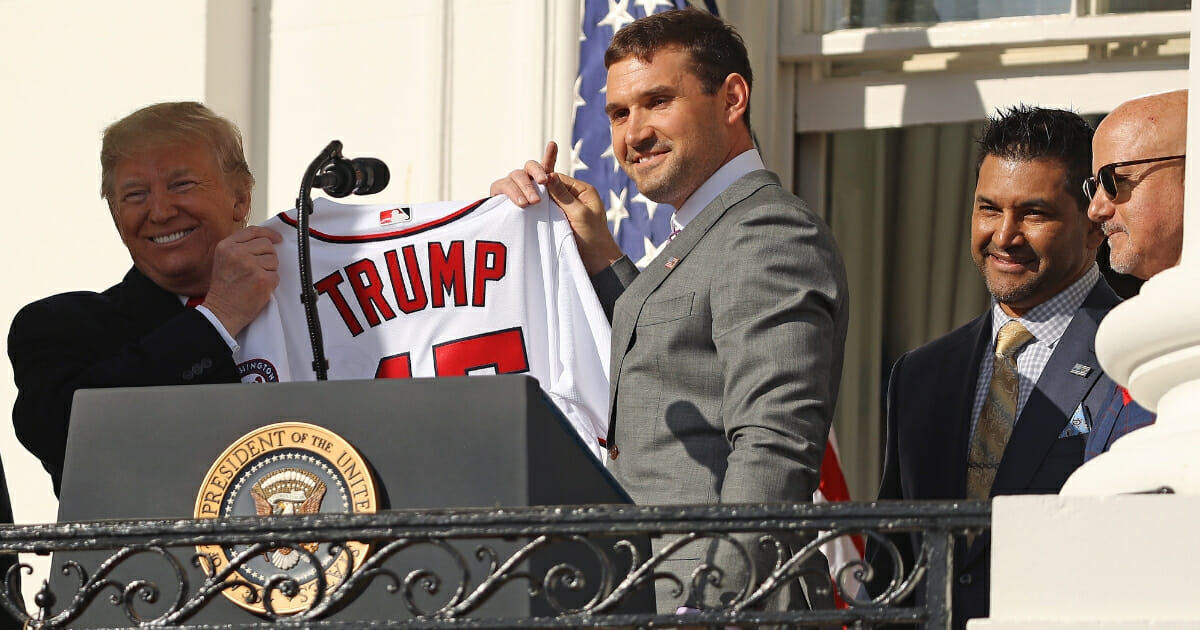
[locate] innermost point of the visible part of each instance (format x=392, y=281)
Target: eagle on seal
x=288, y=491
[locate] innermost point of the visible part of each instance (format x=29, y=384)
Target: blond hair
x=168, y=123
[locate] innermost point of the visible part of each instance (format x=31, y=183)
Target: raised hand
x=245, y=272
x=580, y=202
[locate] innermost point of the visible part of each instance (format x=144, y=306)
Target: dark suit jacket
x=930, y=400
x=1120, y=418
x=727, y=354
x=133, y=334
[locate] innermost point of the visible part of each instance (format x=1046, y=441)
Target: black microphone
x=360, y=176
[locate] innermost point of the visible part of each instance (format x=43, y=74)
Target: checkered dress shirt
x=1047, y=321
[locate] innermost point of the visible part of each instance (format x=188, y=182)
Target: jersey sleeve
x=581, y=339
x=264, y=354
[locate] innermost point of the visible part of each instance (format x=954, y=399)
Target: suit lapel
x=940, y=418
x=943, y=426
x=629, y=305
x=966, y=363
x=146, y=303
x=963, y=368
x=1104, y=422
x=1057, y=394
x=1050, y=405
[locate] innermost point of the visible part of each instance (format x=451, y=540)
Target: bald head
x=1154, y=124
x=1144, y=221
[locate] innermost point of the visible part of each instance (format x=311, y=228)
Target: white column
x=1088, y=563
x=1151, y=344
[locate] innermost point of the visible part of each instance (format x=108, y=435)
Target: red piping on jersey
x=371, y=238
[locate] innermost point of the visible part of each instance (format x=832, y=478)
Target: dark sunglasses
x=1108, y=176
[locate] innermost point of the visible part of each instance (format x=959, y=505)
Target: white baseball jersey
x=440, y=289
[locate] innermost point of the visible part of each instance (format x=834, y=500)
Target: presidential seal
x=285, y=468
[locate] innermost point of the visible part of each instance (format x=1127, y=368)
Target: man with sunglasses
x=1137, y=190
x=1005, y=404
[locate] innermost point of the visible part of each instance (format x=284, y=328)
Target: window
x=850, y=14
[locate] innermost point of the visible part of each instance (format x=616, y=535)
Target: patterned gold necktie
x=999, y=412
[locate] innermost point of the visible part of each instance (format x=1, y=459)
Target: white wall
x=449, y=94
x=1075, y=563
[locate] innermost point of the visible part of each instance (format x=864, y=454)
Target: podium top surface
x=484, y=441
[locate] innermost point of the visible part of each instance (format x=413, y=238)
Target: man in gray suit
x=727, y=348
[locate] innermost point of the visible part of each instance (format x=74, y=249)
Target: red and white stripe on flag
x=843, y=550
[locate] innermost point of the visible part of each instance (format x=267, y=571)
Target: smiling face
x=172, y=206
x=1029, y=237
x=668, y=135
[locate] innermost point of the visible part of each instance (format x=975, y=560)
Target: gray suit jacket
x=727, y=355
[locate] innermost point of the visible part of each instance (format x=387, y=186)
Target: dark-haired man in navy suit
x=968, y=421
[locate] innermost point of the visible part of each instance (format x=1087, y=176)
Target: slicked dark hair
x=715, y=47
x=1024, y=133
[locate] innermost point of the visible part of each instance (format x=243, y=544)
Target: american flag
x=638, y=224
x=845, y=551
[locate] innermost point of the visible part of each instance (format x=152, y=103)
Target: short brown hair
x=166, y=123
x=715, y=47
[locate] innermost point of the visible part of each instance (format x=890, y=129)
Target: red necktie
x=193, y=302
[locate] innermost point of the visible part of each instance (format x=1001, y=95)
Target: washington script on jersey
x=440, y=289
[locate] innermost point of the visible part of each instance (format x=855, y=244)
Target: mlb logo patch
x=395, y=215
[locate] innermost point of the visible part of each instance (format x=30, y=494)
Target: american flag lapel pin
x=1081, y=370
x=671, y=262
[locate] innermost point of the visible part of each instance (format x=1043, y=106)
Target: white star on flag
x=652, y=6
x=616, y=209
x=579, y=102
x=618, y=15
x=651, y=207
x=577, y=164
x=651, y=253
x=611, y=155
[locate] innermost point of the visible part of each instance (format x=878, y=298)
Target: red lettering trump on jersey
x=442, y=289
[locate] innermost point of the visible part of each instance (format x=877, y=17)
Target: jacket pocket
x=666, y=310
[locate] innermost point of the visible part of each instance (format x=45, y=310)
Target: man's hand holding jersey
x=579, y=201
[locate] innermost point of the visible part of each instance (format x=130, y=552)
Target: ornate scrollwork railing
x=557, y=566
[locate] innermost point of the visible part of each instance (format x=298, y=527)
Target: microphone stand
x=308, y=295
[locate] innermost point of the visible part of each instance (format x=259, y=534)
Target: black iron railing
x=567, y=566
